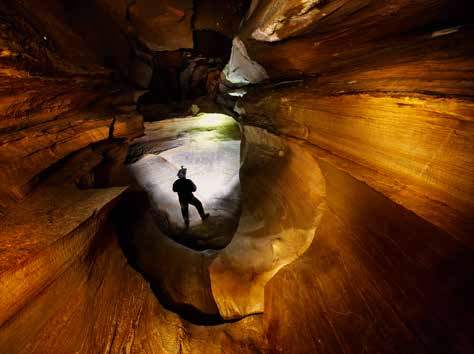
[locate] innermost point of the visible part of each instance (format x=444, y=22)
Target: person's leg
x=185, y=212
x=197, y=203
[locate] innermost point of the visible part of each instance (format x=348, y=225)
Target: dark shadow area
x=212, y=44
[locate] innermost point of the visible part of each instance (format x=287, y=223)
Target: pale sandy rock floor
x=213, y=163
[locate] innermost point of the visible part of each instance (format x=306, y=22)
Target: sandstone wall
x=283, y=194
x=380, y=93
x=65, y=126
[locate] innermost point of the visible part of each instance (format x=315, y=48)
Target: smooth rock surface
x=278, y=221
x=163, y=24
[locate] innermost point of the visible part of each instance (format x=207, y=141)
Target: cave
x=331, y=141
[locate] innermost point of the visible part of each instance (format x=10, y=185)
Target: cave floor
x=210, y=150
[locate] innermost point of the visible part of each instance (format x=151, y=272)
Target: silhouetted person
x=185, y=188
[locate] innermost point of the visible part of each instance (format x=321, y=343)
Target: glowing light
x=214, y=120
x=238, y=93
x=445, y=31
x=209, y=149
x=5, y=53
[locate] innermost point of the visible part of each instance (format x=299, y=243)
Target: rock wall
x=398, y=105
x=52, y=107
x=163, y=24
x=65, y=126
x=380, y=94
x=279, y=218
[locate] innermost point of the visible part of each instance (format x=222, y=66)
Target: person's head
x=182, y=172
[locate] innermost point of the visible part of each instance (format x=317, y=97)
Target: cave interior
x=331, y=141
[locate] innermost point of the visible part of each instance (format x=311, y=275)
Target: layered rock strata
x=356, y=227
x=388, y=118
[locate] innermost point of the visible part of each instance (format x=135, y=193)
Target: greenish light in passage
x=214, y=120
x=214, y=127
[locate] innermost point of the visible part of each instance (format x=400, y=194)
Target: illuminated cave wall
x=357, y=179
